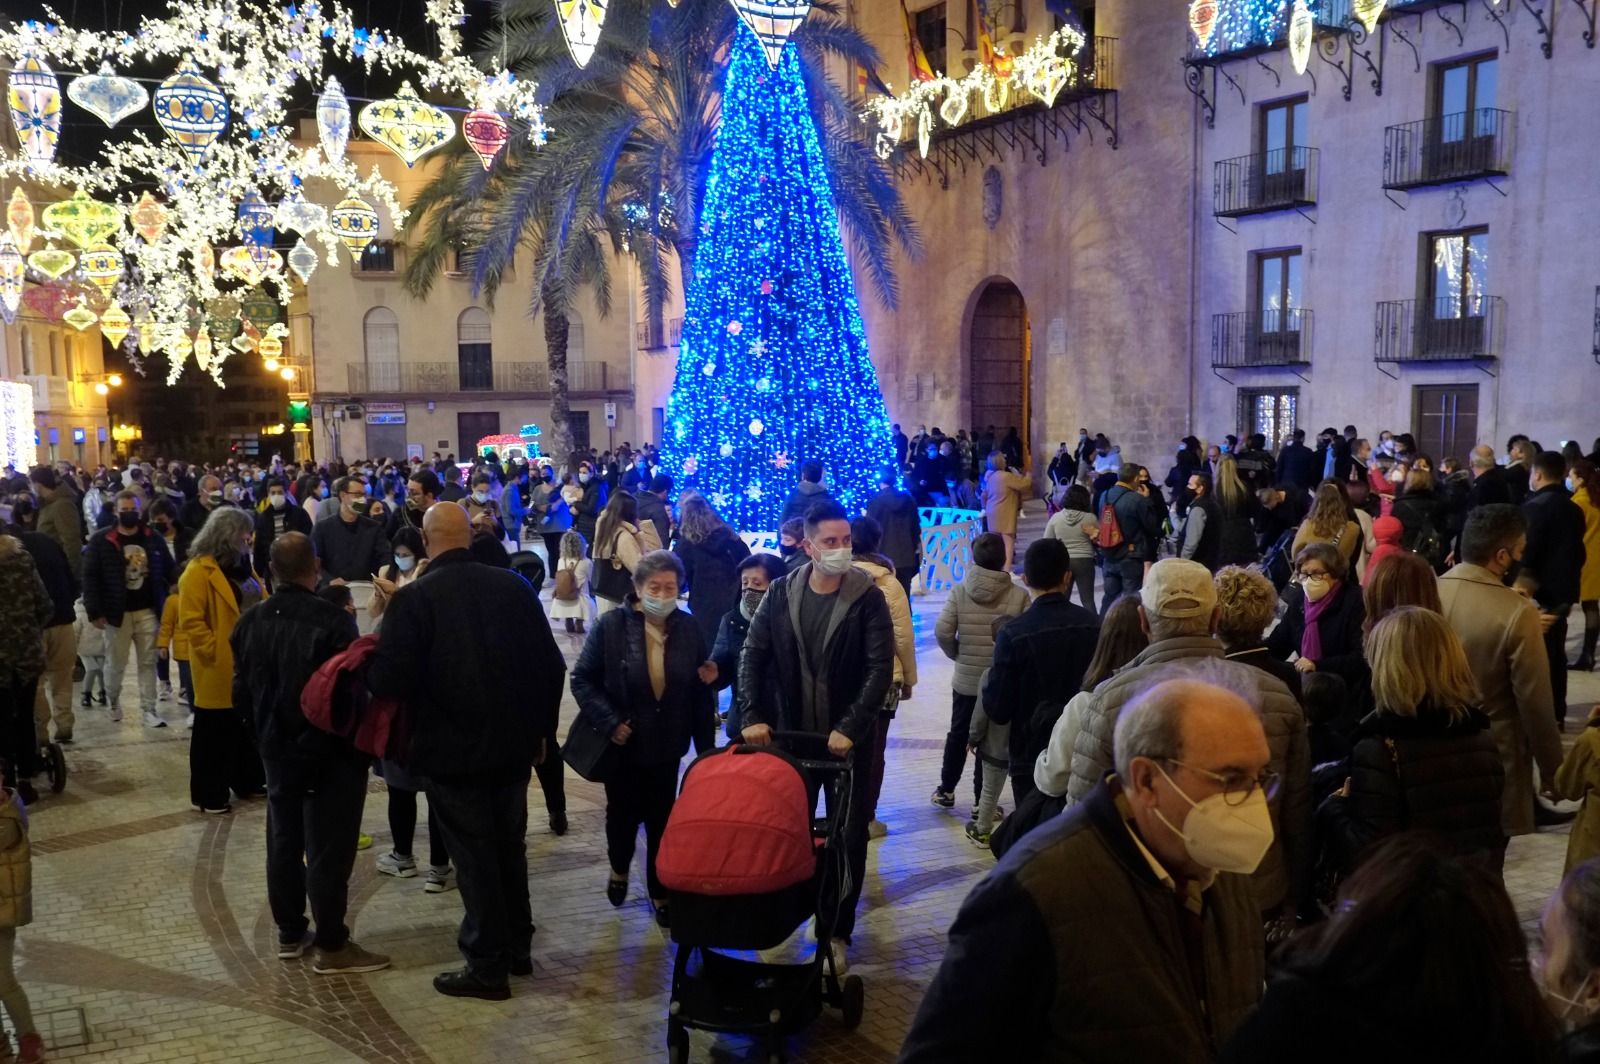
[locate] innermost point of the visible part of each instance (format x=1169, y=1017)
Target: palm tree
x=629, y=150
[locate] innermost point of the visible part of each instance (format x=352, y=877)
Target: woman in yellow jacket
x=211, y=594
x=1584, y=483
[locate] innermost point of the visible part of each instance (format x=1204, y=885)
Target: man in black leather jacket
x=820, y=658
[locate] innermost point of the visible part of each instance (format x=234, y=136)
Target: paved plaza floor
x=152, y=943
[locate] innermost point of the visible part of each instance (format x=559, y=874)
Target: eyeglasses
x=1318, y=575
x=1236, y=789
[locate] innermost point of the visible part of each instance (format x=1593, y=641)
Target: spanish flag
x=921, y=69
x=997, y=61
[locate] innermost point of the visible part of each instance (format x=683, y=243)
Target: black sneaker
x=522, y=966
x=943, y=798
x=558, y=823
x=463, y=983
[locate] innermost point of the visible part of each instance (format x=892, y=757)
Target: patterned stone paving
x=153, y=922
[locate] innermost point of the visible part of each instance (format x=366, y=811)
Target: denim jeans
x=313, y=817
x=955, y=747
x=1122, y=578
x=485, y=829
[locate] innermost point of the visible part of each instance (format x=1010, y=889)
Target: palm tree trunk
x=556, y=329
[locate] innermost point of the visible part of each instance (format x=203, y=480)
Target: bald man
x=1127, y=928
x=467, y=647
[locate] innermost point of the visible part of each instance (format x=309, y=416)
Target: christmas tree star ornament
x=1302, y=26
x=20, y=220
x=486, y=132
x=580, y=26
x=302, y=260
x=773, y=22
x=192, y=110
x=406, y=125
x=356, y=223
x=114, y=324
x=149, y=218
x=52, y=262
x=34, y=96
x=107, y=95
x=82, y=220
x=13, y=271
x=333, y=120
x=1203, y=20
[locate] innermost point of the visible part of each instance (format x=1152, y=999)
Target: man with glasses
x=352, y=545
x=1178, y=610
x=1127, y=928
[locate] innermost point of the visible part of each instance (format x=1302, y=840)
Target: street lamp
x=287, y=373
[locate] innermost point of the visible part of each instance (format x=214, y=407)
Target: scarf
x=1311, y=638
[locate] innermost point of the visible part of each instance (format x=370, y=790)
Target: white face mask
x=1316, y=588
x=1223, y=837
x=480, y=497
x=834, y=562
x=278, y=501
x=583, y=478
x=658, y=607
x=405, y=562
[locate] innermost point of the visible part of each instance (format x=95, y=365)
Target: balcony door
x=1281, y=172
x=1462, y=134
x=1446, y=420
x=1458, y=277
x=474, y=350
x=1277, y=317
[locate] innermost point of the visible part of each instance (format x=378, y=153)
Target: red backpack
x=1110, y=527
x=336, y=701
x=741, y=825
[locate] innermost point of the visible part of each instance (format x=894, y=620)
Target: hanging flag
x=979, y=15
x=921, y=69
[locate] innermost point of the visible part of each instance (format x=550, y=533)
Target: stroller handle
x=795, y=741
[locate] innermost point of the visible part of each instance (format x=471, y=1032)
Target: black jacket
x=1209, y=547
x=467, y=647
x=1298, y=464
x=1417, y=511
x=653, y=508
x=711, y=574
x=725, y=653
x=1273, y=523
x=1581, y=1046
x=193, y=516
x=295, y=519
x=896, y=512
x=1040, y=657
x=277, y=645
x=1419, y=773
x=1340, y=628
x=51, y=563
x=1140, y=522
x=586, y=511
x=350, y=551
x=105, y=572
x=805, y=496
x=1258, y=470
x=1554, y=558
x=611, y=684
x=1517, y=486
x=857, y=661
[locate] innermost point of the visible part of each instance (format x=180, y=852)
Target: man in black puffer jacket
x=478, y=729
x=820, y=658
x=316, y=784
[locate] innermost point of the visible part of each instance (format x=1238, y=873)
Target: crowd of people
x=1319, y=692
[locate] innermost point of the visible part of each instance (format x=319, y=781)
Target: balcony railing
x=448, y=378
x=1261, y=338
x=1448, y=329
x=1455, y=147
x=1281, y=179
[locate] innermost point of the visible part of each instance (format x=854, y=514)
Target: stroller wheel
x=55, y=767
x=677, y=1044
x=853, y=1001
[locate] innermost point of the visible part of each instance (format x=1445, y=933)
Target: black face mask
x=161, y=526
x=787, y=551
x=129, y=521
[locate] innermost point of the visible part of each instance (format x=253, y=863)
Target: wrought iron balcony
x=1454, y=147
x=1282, y=179
x=448, y=378
x=1252, y=338
x=1448, y=329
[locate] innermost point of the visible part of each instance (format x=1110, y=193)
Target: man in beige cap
x=1178, y=611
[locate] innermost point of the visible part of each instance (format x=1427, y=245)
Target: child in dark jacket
x=756, y=574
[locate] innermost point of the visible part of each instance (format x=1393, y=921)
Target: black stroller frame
x=768, y=1002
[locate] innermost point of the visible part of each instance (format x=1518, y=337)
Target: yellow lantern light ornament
x=1203, y=20
x=1368, y=12
x=1302, y=26
x=355, y=222
x=102, y=264
x=202, y=351
x=406, y=125
x=114, y=326
x=52, y=262
x=580, y=26
x=20, y=220
x=34, y=95
x=80, y=317
x=84, y=221
x=269, y=347
x=238, y=263
x=192, y=110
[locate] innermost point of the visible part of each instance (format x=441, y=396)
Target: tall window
x=474, y=351
x=1269, y=411
x=1463, y=89
x=1284, y=129
x=380, y=335
x=55, y=355
x=1458, y=273
x=1278, y=290
x=574, y=338
x=27, y=350
x=930, y=27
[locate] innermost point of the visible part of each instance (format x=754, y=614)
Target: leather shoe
x=558, y=823
x=616, y=892
x=1544, y=816
x=463, y=983
x=523, y=966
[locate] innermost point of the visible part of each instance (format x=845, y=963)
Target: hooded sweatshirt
x=966, y=624
x=1387, y=532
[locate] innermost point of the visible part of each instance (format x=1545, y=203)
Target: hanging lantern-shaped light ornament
x=269, y=347
x=202, y=352
x=13, y=271
x=114, y=324
x=255, y=219
x=1203, y=20
x=35, y=99
x=486, y=133
x=773, y=21
x=20, y=220
x=296, y=214
x=108, y=96
x=303, y=261
x=192, y=110
x=102, y=264
x=1368, y=11
x=356, y=223
x=580, y=25
x=84, y=221
x=205, y=262
x=333, y=120
x=149, y=218
x=259, y=309
x=240, y=264
x=1302, y=26
x=406, y=125
x=80, y=317
x=52, y=262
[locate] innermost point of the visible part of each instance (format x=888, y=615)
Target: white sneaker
x=841, y=963
x=188, y=722
x=153, y=720
x=392, y=864
x=165, y=693
x=116, y=711
x=439, y=879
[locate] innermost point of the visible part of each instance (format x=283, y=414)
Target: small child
x=16, y=910
x=1576, y=780
x=92, y=651
x=991, y=744
x=1387, y=532
x=571, y=601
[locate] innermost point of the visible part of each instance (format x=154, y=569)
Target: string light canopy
x=230, y=75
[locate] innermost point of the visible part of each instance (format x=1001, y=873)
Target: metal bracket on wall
x=1497, y=188
x=1194, y=76
x=1589, y=8
x=1546, y=30
x=1392, y=25
x=1359, y=37
x=1327, y=49
x=1392, y=376
x=1457, y=29
x=1388, y=194
x=1493, y=9
x=1277, y=79
x=1231, y=80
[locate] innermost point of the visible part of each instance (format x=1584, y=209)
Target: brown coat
x=16, y=865
x=1002, y=499
x=1578, y=777
x=1505, y=646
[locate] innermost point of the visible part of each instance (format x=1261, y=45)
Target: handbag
x=588, y=753
x=611, y=580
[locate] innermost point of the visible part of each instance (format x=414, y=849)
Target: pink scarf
x=1311, y=638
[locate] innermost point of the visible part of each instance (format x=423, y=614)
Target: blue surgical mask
x=1572, y=486
x=583, y=478
x=480, y=497
x=658, y=608
x=405, y=562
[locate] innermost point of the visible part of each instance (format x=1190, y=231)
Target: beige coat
x=1002, y=499
x=1505, y=646
x=905, y=639
x=1577, y=781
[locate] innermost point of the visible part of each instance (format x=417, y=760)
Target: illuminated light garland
x=107, y=95
x=13, y=270
x=192, y=110
x=770, y=213
x=1302, y=27
x=1247, y=23
x=580, y=26
x=1045, y=70
x=20, y=219
x=52, y=262
x=16, y=425
x=407, y=126
x=34, y=96
x=1368, y=12
x=773, y=22
x=1203, y=20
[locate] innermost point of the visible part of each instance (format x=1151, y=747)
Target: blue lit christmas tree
x=773, y=370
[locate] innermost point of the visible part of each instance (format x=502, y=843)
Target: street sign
x=386, y=419
x=611, y=415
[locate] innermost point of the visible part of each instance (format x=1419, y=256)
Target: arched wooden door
x=998, y=359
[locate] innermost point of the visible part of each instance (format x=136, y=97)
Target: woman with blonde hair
x=1424, y=758
x=1246, y=605
x=1237, y=545
x=1002, y=494
x=1330, y=522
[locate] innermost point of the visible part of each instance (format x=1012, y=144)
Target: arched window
x=380, y=333
x=475, y=349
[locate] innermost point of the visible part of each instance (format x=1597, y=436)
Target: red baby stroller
x=744, y=866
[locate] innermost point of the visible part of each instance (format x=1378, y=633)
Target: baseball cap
x=1177, y=588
